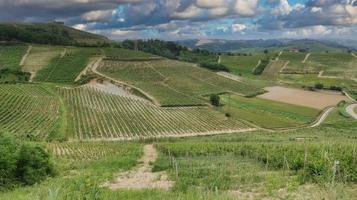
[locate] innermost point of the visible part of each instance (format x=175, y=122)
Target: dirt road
x=141, y=177
x=322, y=117
x=25, y=56
x=306, y=57
x=351, y=110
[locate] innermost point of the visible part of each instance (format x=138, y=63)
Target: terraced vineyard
x=10, y=56
x=99, y=115
x=40, y=57
x=28, y=111
x=271, y=72
x=173, y=82
x=65, y=69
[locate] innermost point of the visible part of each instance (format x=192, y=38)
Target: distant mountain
x=257, y=45
x=48, y=33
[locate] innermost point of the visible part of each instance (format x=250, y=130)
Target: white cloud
x=98, y=15
x=238, y=27
x=211, y=3
x=246, y=7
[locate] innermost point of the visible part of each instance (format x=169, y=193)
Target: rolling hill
x=55, y=33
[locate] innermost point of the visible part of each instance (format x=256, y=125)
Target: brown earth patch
x=319, y=100
x=142, y=177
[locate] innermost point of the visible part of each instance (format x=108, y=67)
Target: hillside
x=260, y=45
x=54, y=33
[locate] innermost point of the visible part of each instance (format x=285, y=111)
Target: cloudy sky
x=186, y=19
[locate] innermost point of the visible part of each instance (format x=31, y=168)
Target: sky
x=194, y=19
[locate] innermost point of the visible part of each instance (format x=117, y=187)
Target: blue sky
x=191, y=19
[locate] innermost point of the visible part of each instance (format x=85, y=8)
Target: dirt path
x=306, y=57
x=92, y=62
x=322, y=117
x=354, y=55
x=278, y=57
x=285, y=66
x=219, y=59
x=141, y=177
x=25, y=56
x=94, y=69
x=351, y=110
x=230, y=76
x=256, y=65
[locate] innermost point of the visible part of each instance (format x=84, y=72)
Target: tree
x=215, y=100
x=319, y=86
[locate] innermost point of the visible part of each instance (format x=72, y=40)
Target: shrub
x=319, y=86
x=24, y=164
x=215, y=99
x=33, y=164
x=214, y=66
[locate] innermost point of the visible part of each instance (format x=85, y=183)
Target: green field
x=98, y=115
x=10, y=56
x=65, y=69
x=40, y=57
x=184, y=83
x=94, y=133
x=241, y=65
x=267, y=114
x=29, y=111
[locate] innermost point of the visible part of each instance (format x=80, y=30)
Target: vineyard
x=99, y=115
x=266, y=113
x=88, y=151
x=28, y=111
x=10, y=56
x=40, y=57
x=183, y=83
x=65, y=69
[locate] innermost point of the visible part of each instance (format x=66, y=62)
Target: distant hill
x=259, y=45
x=55, y=33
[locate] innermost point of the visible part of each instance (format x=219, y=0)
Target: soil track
x=25, y=56
x=318, y=100
x=141, y=177
x=306, y=57
x=351, y=110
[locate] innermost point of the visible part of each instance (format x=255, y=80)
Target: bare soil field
x=319, y=100
x=142, y=177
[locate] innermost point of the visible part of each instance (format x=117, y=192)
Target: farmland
x=40, y=57
x=10, y=56
x=29, y=111
x=98, y=115
x=115, y=123
x=65, y=69
x=184, y=83
x=257, y=111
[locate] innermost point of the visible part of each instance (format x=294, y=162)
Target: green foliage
x=48, y=33
x=33, y=164
x=260, y=68
x=319, y=86
x=22, y=164
x=215, y=100
x=65, y=69
x=214, y=66
x=13, y=76
x=11, y=55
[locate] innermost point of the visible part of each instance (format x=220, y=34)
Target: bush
x=214, y=66
x=319, y=86
x=23, y=164
x=215, y=100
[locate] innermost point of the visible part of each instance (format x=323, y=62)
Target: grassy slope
x=241, y=65
x=10, y=56
x=66, y=69
x=40, y=57
x=28, y=111
x=47, y=33
x=183, y=83
x=267, y=114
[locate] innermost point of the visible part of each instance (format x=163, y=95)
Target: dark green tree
x=215, y=99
